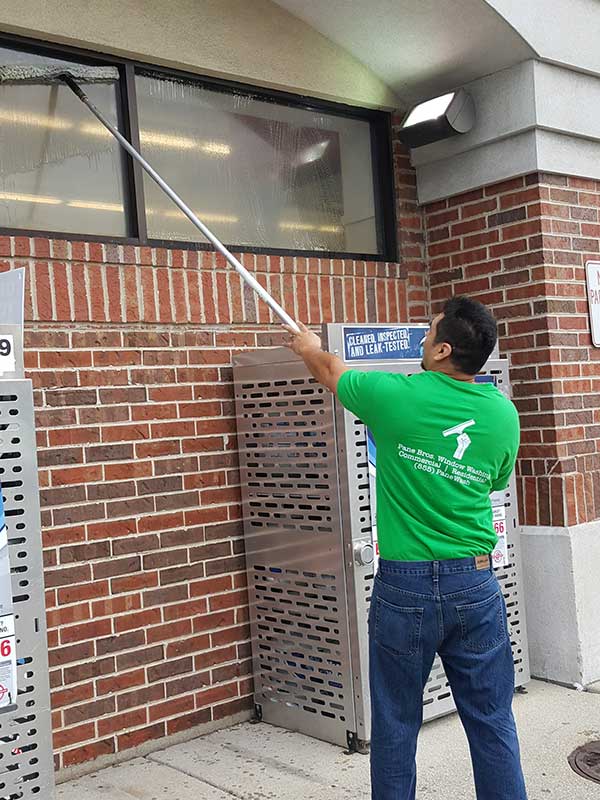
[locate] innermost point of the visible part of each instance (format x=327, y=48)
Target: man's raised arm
x=324, y=367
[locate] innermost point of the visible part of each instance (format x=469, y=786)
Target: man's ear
x=442, y=351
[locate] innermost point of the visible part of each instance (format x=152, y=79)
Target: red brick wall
x=521, y=246
x=411, y=230
x=130, y=354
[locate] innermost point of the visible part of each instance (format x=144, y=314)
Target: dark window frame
x=380, y=123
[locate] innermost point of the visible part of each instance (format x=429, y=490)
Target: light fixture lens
x=431, y=109
x=313, y=153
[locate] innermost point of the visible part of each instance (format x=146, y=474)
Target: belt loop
x=436, y=578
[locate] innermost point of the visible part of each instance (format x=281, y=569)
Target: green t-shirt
x=443, y=446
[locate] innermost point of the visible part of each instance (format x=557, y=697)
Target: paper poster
x=5, y=581
x=500, y=553
x=372, y=458
x=8, y=654
x=8, y=661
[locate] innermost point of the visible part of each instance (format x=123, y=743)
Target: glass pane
x=60, y=170
x=258, y=174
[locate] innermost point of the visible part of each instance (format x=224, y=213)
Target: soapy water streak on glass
x=54, y=175
x=271, y=175
x=259, y=174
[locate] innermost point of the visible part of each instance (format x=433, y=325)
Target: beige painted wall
x=254, y=41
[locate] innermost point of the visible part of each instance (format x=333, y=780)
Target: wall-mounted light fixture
x=438, y=119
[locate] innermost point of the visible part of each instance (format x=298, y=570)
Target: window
x=60, y=170
x=264, y=172
x=259, y=174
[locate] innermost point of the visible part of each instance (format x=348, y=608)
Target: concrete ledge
x=485, y=165
x=560, y=568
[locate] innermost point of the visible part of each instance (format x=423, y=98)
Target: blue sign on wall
x=378, y=344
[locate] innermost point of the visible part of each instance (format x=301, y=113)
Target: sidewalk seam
x=152, y=757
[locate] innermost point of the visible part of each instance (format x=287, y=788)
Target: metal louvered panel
x=510, y=576
x=356, y=512
x=294, y=549
x=510, y=580
x=299, y=641
x=26, y=764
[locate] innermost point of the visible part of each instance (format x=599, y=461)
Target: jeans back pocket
x=397, y=629
x=483, y=624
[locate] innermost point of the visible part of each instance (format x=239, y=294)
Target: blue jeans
x=453, y=608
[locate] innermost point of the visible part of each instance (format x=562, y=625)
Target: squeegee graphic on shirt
x=463, y=439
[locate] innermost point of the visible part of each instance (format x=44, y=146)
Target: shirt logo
x=463, y=439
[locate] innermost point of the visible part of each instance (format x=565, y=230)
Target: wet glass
x=60, y=169
x=259, y=174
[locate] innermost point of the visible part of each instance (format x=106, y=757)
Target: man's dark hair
x=469, y=327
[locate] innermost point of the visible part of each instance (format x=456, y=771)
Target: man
x=444, y=443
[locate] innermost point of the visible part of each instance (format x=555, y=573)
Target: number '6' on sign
x=5, y=648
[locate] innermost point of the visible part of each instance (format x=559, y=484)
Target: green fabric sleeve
x=359, y=393
x=508, y=465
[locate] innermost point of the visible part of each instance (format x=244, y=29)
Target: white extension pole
x=238, y=267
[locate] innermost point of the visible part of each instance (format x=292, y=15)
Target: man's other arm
x=513, y=430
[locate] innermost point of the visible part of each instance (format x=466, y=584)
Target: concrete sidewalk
x=260, y=762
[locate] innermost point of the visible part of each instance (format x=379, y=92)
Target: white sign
x=592, y=276
x=500, y=554
x=8, y=662
x=7, y=353
x=7, y=627
x=498, y=513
